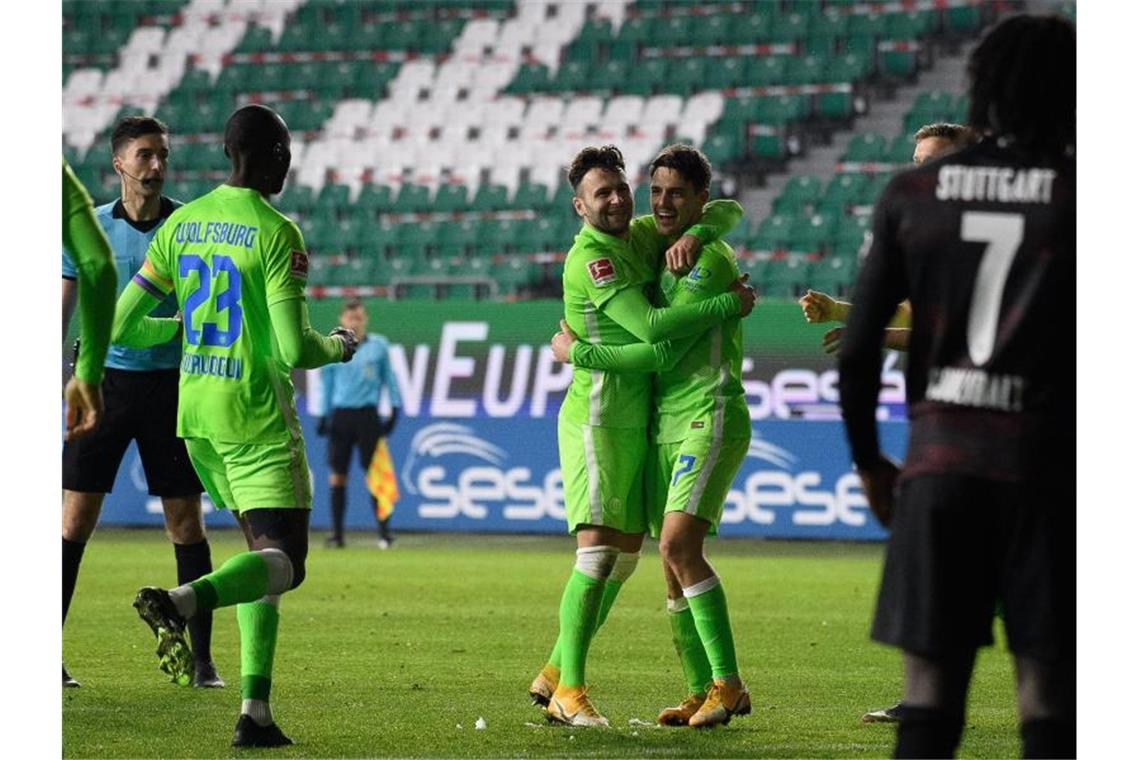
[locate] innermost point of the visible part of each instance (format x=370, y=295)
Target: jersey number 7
x=1002, y=234
x=228, y=300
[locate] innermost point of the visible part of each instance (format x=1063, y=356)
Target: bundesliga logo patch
x=601, y=271
x=299, y=264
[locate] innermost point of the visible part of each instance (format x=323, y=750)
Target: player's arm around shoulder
x=712, y=274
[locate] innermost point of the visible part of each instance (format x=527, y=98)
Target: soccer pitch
x=399, y=653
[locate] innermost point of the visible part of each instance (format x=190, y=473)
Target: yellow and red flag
x=381, y=480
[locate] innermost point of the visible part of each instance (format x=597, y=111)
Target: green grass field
x=398, y=653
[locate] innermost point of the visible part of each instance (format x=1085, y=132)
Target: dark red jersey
x=983, y=243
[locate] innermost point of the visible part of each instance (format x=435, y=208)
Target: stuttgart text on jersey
x=1000, y=184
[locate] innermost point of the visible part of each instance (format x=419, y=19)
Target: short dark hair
x=132, y=127
x=687, y=161
x=959, y=134
x=606, y=157
x=351, y=304
x=253, y=130
x=1023, y=82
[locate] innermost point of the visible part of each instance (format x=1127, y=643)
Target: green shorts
x=693, y=476
x=603, y=473
x=240, y=476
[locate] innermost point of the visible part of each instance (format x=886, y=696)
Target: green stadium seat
x=730, y=71
x=713, y=30
x=801, y=191
x=438, y=35
x=498, y=236
x=540, y=235
x=902, y=64
x=901, y=150
x=647, y=75
x=597, y=31
x=515, y=274
x=532, y=77
x=451, y=198
x=685, y=75
x=812, y=233
x=638, y=31
x=843, y=190
x=333, y=199
x=850, y=231
x=773, y=233
x=753, y=28
x=490, y=197
x=336, y=79
x=806, y=69
x=849, y=67
x=829, y=24
x=788, y=27
x=835, y=105
x=412, y=198
x=533, y=196
x=767, y=70
x=865, y=147
x=722, y=149
x=675, y=31
x=874, y=188
x=785, y=278
x=909, y=25
x=754, y=267
x=769, y=144
x=966, y=18
x=257, y=39
x=866, y=25
x=780, y=109
x=572, y=76
x=834, y=274
x=374, y=199
x=457, y=238
x=416, y=238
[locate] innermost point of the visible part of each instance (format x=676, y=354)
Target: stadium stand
x=430, y=138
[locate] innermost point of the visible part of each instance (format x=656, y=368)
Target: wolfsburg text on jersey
x=975, y=387
x=1000, y=184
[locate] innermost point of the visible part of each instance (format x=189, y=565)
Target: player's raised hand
x=562, y=341
x=818, y=307
x=348, y=340
x=746, y=293
x=833, y=339
x=84, y=408
x=879, y=487
x=680, y=257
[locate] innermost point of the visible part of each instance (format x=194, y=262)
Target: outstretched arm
x=634, y=357
x=301, y=346
x=133, y=327
x=630, y=309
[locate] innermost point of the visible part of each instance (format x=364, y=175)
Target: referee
x=350, y=397
x=140, y=392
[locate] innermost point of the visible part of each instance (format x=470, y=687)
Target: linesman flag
x=381, y=480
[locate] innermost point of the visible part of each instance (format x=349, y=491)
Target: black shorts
x=960, y=545
x=136, y=405
x=359, y=427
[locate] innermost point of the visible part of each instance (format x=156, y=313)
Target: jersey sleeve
x=286, y=265
x=879, y=289
x=599, y=274
x=96, y=278
x=637, y=316
x=634, y=357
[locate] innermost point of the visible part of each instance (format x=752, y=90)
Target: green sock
x=577, y=619
x=257, y=622
x=694, y=661
x=710, y=615
x=243, y=578
x=609, y=594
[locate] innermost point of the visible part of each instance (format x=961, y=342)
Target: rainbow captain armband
x=150, y=281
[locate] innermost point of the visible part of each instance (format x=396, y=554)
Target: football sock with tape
x=244, y=577
x=686, y=639
x=257, y=623
x=578, y=611
x=623, y=568
x=710, y=616
x=72, y=556
x=193, y=561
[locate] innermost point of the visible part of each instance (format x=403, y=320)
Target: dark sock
x=336, y=498
x=384, y=532
x=72, y=554
x=927, y=732
x=193, y=562
x=1046, y=737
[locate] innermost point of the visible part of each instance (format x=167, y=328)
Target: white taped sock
x=624, y=566
x=597, y=562
x=280, y=570
x=708, y=584
x=258, y=709
x=185, y=601
x=676, y=605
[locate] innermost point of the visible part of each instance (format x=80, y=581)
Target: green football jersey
x=597, y=268
x=230, y=256
x=704, y=391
